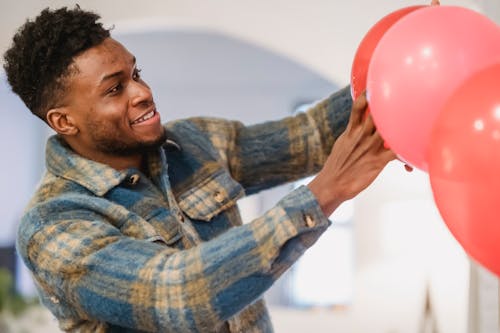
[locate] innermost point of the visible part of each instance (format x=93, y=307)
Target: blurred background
x=387, y=265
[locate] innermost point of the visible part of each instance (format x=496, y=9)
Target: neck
x=121, y=163
x=117, y=162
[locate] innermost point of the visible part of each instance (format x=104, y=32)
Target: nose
x=141, y=94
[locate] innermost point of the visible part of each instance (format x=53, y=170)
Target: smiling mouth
x=147, y=116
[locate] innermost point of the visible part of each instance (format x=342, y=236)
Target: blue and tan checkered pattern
x=165, y=250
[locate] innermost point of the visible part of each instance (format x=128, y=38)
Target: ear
x=61, y=121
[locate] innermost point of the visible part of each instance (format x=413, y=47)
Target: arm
x=272, y=153
x=265, y=155
x=99, y=274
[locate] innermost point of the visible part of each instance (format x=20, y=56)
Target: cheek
x=96, y=126
x=112, y=114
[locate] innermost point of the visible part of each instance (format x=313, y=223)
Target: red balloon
x=417, y=65
x=464, y=166
x=365, y=49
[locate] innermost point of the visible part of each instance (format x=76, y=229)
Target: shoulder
x=56, y=199
x=204, y=138
x=202, y=128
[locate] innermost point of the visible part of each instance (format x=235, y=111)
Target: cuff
x=303, y=210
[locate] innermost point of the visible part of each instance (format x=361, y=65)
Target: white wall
x=321, y=34
x=22, y=151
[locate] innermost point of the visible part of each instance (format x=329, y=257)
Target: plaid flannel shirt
x=122, y=251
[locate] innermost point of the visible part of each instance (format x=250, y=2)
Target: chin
x=156, y=141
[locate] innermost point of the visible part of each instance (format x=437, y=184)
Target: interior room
x=388, y=263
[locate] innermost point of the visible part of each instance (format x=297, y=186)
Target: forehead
x=100, y=60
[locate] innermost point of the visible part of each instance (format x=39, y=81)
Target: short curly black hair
x=42, y=51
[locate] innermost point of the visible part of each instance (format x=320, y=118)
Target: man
x=134, y=226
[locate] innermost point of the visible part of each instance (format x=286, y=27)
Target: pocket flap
x=211, y=196
x=158, y=226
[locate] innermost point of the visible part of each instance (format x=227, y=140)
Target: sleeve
x=95, y=272
x=272, y=153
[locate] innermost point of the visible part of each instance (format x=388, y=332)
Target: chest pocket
x=159, y=225
x=214, y=194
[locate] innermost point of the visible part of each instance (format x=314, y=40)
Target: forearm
x=331, y=117
x=148, y=286
x=273, y=153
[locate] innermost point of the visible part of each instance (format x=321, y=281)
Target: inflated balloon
x=364, y=52
x=464, y=166
x=417, y=65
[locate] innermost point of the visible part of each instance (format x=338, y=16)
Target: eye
x=115, y=89
x=137, y=74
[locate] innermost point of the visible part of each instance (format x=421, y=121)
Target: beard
x=110, y=143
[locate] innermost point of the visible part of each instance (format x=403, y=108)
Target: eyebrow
x=115, y=74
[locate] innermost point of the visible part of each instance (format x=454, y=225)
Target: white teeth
x=145, y=117
x=149, y=115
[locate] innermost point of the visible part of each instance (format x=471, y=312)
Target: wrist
x=328, y=199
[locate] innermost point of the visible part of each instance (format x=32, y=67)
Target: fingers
x=363, y=121
x=358, y=110
x=369, y=125
x=360, y=116
x=380, y=145
x=378, y=139
x=435, y=3
x=388, y=156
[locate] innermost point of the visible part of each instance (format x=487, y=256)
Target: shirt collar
x=63, y=162
x=99, y=178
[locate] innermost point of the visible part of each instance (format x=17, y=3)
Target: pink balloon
x=417, y=65
x=364, y=52
x=464, y=166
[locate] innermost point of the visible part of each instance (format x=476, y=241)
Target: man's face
x=112, y=106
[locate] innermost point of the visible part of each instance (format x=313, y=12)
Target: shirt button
x=134, y=179
x=218, y=197
x=180, y=217
x=54, y=300
x=310, y=221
